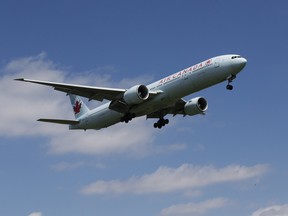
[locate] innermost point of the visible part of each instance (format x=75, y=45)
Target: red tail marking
x=77, y=107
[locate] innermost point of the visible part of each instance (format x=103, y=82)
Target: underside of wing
x=194, y=106
x=90, y=92
x=175, y=109
x=60, y=121
x=115, y=95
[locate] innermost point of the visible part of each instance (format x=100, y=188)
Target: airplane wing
x=192, y=107
x=176, y=109
x=91, y=92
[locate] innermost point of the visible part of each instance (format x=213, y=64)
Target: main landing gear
x=127, y=117
x=161, y=123
x=230, y=79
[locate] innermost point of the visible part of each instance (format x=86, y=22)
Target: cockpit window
x=233, y=57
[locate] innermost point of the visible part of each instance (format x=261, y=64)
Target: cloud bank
x=194, y=208
x=166, y=179
x=35, y=214
x=275, y=210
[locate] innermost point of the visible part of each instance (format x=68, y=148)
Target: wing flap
x=60, y=121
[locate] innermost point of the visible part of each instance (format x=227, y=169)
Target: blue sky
x=233, y=161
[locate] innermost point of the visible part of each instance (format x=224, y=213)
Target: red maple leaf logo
x=77, y=107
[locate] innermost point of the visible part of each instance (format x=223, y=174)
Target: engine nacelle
x=196, y=106
x=136, y=94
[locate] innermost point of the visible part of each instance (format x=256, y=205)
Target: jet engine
x=196, y=106
x=136, y=94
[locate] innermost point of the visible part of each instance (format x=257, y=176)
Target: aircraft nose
x=239, y=63
x=243, y=62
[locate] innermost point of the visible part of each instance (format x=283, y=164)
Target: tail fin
x=79, y=107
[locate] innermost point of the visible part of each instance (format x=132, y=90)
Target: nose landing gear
x=161, y=123
x=230, y=79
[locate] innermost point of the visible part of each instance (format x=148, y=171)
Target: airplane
x=155, y=100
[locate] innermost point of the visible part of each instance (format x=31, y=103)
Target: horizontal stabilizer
x=60, y=121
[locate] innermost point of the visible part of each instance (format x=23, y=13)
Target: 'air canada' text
x=186, y=71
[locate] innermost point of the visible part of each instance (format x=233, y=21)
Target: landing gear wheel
x=161, y=123
x=230, y=79
x=127, y=117
x=229, y=87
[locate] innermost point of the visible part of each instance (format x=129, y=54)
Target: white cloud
x=275, y=210
x=116, y=139
x=63, y=166
x=23, y=103
x=67, y=166
x=194, y=208
x=165, y=179
x=35, y=214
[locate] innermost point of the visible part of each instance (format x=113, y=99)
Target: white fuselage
x=185, y=82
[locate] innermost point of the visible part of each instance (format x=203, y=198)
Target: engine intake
x=196, y=106
x=136, y=94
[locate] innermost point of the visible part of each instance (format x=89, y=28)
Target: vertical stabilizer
x=79, y=107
